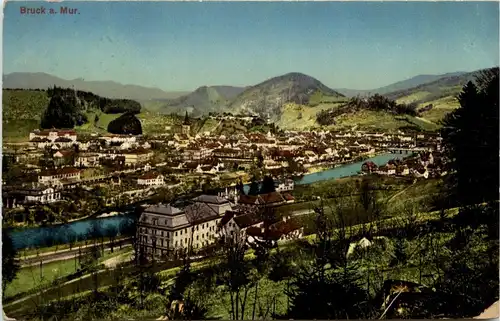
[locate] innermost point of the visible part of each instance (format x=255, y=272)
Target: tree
x=470, y=141
x=329, y=288
x=267, y=185
x=10, y=265
x=125, y=124
x=234, y=273
x=111, y=232
x=254, y=188
x=240, y=188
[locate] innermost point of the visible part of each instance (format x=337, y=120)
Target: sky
x=179, y=46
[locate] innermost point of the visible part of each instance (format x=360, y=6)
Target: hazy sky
x=180, y=46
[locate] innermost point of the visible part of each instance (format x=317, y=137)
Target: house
x=32, y=195
x=64, y=142
x=287, y=229
x=284, y=185
x=151, y=179
x=40, y=142
x=402, y=170
x=369, y=167
x=87, y=160
x=388, y=169
x=261, y=200
x=64, y=157
x=421, y=172
x=61, y=174
x=235, y=224
x=165, y=229
x=137, y=156
x=391, y=169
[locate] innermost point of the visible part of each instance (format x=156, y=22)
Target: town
x=133, y=168
x=282, y=161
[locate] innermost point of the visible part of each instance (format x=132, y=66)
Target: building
x=87, y=160
x=151, y=179
x=32, y=195
x=115, y=138
x=284, y=185
x=369, y=167
x=53, y=134
x=64, y=157
x=165, y=229
x=235, y=224
x=186, y=126
x=263, y=200
x=61, y=174
x=138, y=156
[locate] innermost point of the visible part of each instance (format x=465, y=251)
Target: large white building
x=151, y=179
x=164, y=229
x=58, y=175
x=53, y=135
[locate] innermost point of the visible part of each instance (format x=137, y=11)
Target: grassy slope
x=441, y=106
x=376, y=120
x=21, y=112
x=209, y=125
x=151, y=122
x=30, y=277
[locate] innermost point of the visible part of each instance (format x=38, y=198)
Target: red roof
x=150, y=175
x=248, y=199
x=273, y=197
x=60, y=171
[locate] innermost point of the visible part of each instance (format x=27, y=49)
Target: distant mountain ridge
x=110, y=89
x=400, y=85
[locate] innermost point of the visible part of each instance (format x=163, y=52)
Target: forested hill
x=67, y=107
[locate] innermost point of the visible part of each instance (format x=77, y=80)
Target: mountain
x=203, y=100
x=110, y=89
x=400, y=85
x=268, y=98
x=435, y=89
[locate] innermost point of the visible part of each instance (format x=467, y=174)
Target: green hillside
x=21, y=112
x=152, y=123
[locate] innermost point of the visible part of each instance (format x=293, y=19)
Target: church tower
x=186, y=127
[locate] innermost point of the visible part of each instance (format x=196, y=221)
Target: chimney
x=284, y=218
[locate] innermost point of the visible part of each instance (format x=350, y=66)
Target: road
x=68, y=254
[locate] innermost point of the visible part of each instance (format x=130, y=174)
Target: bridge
x=408, y=151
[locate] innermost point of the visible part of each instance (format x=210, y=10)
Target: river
x=43, y=236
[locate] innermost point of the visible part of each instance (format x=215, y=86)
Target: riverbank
x=45, y=252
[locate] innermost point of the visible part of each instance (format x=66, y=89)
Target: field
x=301, y=117
x=416, y=96
x=441, y=107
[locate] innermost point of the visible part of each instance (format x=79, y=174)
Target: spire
x=186, y=119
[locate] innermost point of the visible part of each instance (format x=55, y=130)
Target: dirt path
x=425, y=120
x=114, y=261
x=400, y=192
